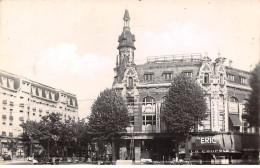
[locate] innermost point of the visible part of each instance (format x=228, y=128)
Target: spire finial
x=126, y=15
x=126, y=20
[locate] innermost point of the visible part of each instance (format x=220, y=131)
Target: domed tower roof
x=126, y=39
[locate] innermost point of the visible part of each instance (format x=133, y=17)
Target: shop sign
x=215, y=151
x=205, y=141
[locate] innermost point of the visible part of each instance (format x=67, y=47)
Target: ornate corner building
x=145, y=86
x=22, y=99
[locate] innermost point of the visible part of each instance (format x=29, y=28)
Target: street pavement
x=15, y=162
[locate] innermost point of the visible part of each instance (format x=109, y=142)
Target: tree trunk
x=177, y=149
x=186, y=147
x=113, y=150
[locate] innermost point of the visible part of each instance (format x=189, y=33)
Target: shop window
x=206, y=78
x=130, y=82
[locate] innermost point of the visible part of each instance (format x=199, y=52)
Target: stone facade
x=144, y=87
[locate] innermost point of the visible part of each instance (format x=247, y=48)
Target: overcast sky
x=72, y=44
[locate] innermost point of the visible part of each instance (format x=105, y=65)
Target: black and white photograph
x=129, y=82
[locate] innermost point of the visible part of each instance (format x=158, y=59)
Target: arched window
x=206, y=78
x=233, y=105
x=148, y=111
x=130, y=82
x=221, y=79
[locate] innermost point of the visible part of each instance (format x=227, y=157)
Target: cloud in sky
x=72, y=45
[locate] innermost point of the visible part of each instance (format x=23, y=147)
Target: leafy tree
x=47, y=131
x=12, y=145
x=183, y=108
x=109, y=117
x=253, y=104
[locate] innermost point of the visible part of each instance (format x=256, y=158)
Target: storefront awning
x=215, y=144
x=235, y=120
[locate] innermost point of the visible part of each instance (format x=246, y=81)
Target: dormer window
x=52, y=96
x=11, y=83
x=4, y=81
x=167, y=75
x=187, y=74
x=206, y=78
x=243, y=80
x=73, y=102
x=33, y=90
x=47, y=94
x=148, y=77
x=40, y=92
x=231, y=77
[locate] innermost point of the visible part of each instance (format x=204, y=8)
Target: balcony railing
x=21, y=118
x=21, y=105
x=11, y=103
x=175, y=58
x=4, y=101
x=3, y=116
x=11, y=117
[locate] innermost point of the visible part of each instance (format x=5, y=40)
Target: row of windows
x=4, y=134
x=169, y=76
x=166, y=76
x=242, y=80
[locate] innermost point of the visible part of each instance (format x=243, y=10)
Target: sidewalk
x=18, y=161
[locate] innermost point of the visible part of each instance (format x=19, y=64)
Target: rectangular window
x=231, y=77
x=188, y=74
x=3, y=133
x=11, y=134
x=3, y=116
x=130, y=101
x=243, y=80
x=167, y=76
x=4, y=101
x=11, y=83
x=148, y=77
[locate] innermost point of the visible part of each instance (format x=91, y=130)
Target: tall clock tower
x=126, y=47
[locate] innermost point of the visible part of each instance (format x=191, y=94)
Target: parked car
x=69, y=160
x=7, y=157
x=35, y=161
x=30, y=158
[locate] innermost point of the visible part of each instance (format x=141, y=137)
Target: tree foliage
x=184, y=105
x=51, y=131
x=109, y=114
x=12, y=145
x=252, y=106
